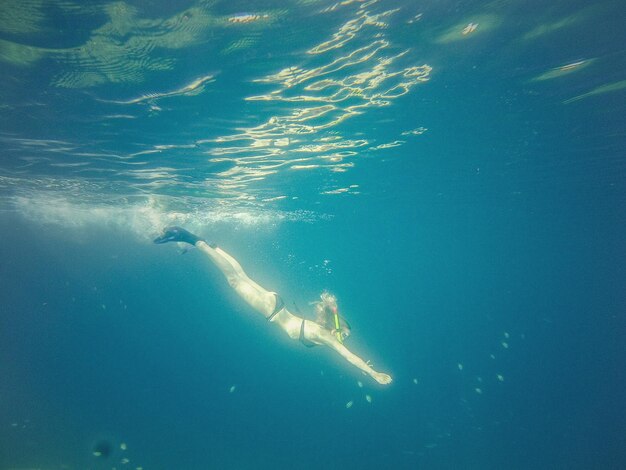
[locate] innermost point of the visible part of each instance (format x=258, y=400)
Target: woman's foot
x=177, y=234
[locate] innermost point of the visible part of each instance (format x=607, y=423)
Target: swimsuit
x=280, y=304
x=303, y=340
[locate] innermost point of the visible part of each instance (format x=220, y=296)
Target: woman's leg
x=256, y=296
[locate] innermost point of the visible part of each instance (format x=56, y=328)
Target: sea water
x=452, y=171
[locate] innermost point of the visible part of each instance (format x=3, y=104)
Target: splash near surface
x=146, y=217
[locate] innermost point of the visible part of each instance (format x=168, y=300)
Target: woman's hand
x=382, y=378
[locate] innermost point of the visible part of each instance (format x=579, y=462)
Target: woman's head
x=327, y=304
x=326, y=310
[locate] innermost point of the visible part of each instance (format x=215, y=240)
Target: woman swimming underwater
x=329, y=329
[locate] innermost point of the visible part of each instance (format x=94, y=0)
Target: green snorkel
x=337, y=328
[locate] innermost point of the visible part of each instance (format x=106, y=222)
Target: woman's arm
x=319, y=335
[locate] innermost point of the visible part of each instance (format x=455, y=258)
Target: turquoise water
x=452, y=171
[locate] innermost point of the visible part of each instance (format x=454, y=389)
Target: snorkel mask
x=328, y=316
x=341, y=328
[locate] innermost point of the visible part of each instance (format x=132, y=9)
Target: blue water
x=452, y=171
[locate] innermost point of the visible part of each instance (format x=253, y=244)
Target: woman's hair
x=324, y=310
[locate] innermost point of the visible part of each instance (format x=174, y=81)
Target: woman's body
x=270, y=304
